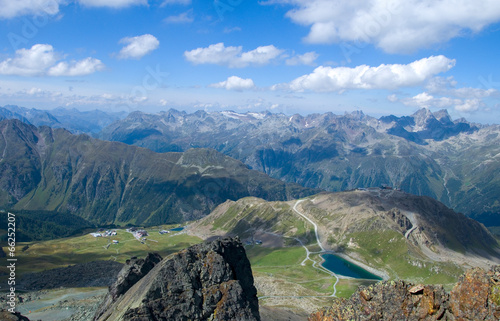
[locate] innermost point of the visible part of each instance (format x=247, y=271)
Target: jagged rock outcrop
x=476, y=296
x=400, y=219
x=208, y=281
x=134, y=270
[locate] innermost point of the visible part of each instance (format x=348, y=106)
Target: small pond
x=340, y=266
x=177, y=229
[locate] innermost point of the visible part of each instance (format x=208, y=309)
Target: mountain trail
x=411, y=217
x=315, y=264
x=310, y=221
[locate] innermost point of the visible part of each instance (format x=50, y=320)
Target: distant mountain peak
x=425, y=125
x=357, y=115
x=422, y=117
x=443, y=116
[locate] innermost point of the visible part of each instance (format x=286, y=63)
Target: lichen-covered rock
x=392, y=300
x=476, y=296
x=208, y=281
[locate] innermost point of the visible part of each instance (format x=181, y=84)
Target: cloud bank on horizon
x=382, y=56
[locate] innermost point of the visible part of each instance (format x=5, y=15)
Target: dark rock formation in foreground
x=134, y=270
x=8, y=316
x=208, y=281
x=90, y=274
x=476, y=296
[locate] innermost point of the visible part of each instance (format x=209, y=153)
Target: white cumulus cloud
x=235, y=83
x=76, y=68
x=41, y=60
x=469, y=105
x=29, y=62
x=13, y=8
x=308, y=59
x=112, y=3
x=396, y=26
x=260, y=56
x=425, y=100
x=233, y=57
x=329, y=79
x=138, y=47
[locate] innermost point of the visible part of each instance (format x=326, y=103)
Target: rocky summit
x=208, y=281
x=476, y=296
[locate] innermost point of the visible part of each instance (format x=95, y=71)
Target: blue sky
x=291, y=56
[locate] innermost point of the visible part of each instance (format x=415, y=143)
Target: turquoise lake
x=340, y=266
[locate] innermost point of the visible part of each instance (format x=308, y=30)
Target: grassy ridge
x=389, y=250
x=249, y=214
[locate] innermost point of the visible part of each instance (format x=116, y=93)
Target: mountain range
x=455, y=162
x=114, y=183
x=77, y=122
x=427, y=153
